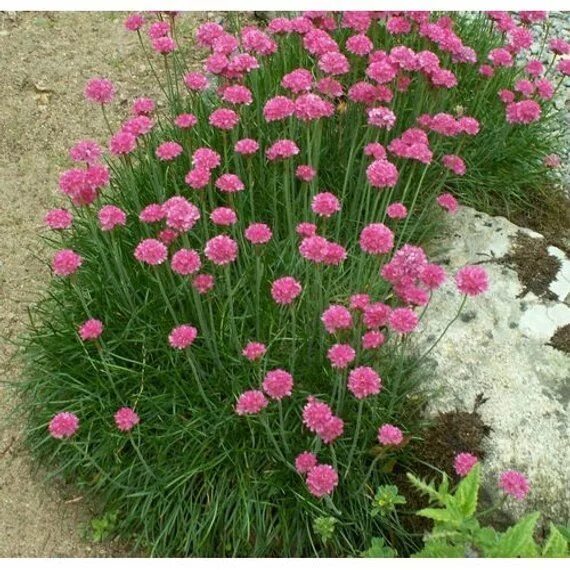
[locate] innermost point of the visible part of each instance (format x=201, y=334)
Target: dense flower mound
x=224, y=354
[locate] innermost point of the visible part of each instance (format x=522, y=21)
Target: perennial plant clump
x=224, y=355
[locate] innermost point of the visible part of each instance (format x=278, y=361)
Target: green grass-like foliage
x=193, y=478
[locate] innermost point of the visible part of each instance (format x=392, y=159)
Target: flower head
x=448, y=202
x=258, y=233
x=246, y=147
x=335, y=318
x=403, y=320
x=182, y=337
x=66, y=262
x=251, y=402
x=63, y=425
x=168, y=150
x=221, y=250
x=472, y=280
x=515, y=484
x=58, y=219
x=325, y=204
x=285, y=290
x=99, y=90
x=151, y=251
x=322, y=480
x=91, y=329
x=254, y=350
x=185, y=262
x=277, y=384
x=363, y=382
x=305, y=461
x=110, y=217
x=464, y=462
x=229, y=183
x=341, y=355
x=390, y=435
x=376, y=239
x=396, y=211
x=203, y=283
x=126, y=419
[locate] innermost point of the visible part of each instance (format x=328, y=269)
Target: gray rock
x=503, y=353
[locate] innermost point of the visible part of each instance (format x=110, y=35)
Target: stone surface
x=501, y=351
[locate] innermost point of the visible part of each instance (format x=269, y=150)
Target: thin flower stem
x=356, y=434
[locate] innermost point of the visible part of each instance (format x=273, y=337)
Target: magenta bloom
x=376, y=239
x=285, y=290
x=515, y=484
x=523, y=112
x=185, y=262
x=334, y=63
x=305, y=461
x=448, y=202
x=66, y=262
x=134, y=22
x=322, y=480
x=251, y=402
x=258, y=233
x=325, y=204
x=229, y=183
x=390, y=435
x=99, y=90
x=168, y=150
x=278, y=108
x=198, y=178
x=143, y=106
x=359, y=44
x=372, y=340
x=472, y=280
x=196, y=81
x=403, y=320
x=152, y=213
x=341, y=355
x=381, y=117
x=359, y=301
x=58, y=219
x=396, y=211
x=311, y=107
x=336, y=318
x=181, y=215
x=254, y=350
x=182, y=337
x=163, y=45
x=382, y=174
x=203, y=283
x=316, y=414
x=110, y=217
x=221, y=250
x=151, y=251
x=185, y=121
x=246, y=147
x=277, y=384
x=167, y=236
x=282, y=149
x=376, y=315
x=298, y=80
x=137, y=126
x=223, y=216
x=363, y=382
x=63, y=425
x=225, y=119
x=85, y=151
x=122, y=142
x=454, y=163
x=126, y=419
x=432, y=276
x=305, y=172
x=464, y=462
x=91, y=329
x=306, y=229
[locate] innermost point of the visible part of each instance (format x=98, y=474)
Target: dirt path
x=45, y=59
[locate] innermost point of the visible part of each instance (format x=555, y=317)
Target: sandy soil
x=45, y=60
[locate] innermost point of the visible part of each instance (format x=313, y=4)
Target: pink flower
x=523, y=112
x=376, y=315
x=251, y=402
x=225, y=119
x=486, y=70
x=258, y=233
x=181, y=214
x=559, y=46
x=279, y=26
x=311, y=107
x=298, y=80
x=229, y=183
x=363, y=92
x=322, y=480
x=196, y=81
x=305, y=172
x=254, y=350
x=334, y=254
x=126, y=419
x=472, y=280
x=203, y=283
x=317, y=42
x=198, y=177
x=168, y=150
x=99, y=90
x=223, y=217
x=534, y=67
x=152, y=213
x=66, y=262
x=151, y=251
x=325, y=204
x=306, y=229
x=464, y=462
x=331, y=430
x=208, y=32
x=58, y=219
x=137, y=126
x=167, y=236
x=359, y=44
x=277, y=384
x=122, y=143
x=396, y=211
x=221, y=250
x=390, y=435
x=432, y=276
x=372, y=340
x=544, y=88
x=341, y=355
x=500, y=57
x=85, y=151
x=514, y=483
x=376, y=239
x=91, y=329
x=237, y=95
x=330, y=87
x=111, y=217
x=134, y=22
x=334, y=63
x=563, y=67
x=376, y=150
x=381, y=117
x=278, y=108
x=316, y=414
x=246, y=147
x=448, y=202
x=454, y=163
x=282, y=149
x=335, y=318
x=552, y=161
x=364, y=381
x=163, y=45
x=403, y=320
x=143, y=106
x=185, y=262
x=63, y=425
x=159, y=29
x=359, y=301
x=525, y=87
x=305, y=461
x=182, y=337
x=382, y=174
x=285, y=290
x=185, y=121
x=216, y=63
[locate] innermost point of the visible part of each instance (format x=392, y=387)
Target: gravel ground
x=45, y=60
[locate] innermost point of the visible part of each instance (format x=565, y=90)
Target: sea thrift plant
x=251, y=245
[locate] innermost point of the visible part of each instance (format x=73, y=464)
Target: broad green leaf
x=467, y=492
x=440, y=515
x=437, y=549
x=379, y=549
x=556, y=546
x=517, y=541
